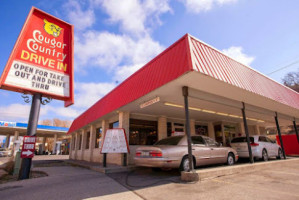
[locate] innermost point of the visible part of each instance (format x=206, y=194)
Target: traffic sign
x=28, y=147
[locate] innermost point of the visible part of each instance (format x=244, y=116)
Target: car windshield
x=242, y=139
x=169, y=141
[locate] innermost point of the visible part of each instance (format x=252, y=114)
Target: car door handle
x=193, y=149
x=212, y=148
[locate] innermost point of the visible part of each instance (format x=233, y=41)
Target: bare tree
x=57, y=122
x=47, y=122
x=291, y=80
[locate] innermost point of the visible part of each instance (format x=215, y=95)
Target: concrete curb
x=108, y=169
x=229, y=170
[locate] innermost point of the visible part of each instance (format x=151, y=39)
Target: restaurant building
x=149, y=105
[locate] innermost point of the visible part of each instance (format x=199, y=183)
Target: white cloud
x=124, y=72
x=81, y=19
x=69, y=112
x=89, y=93
x=237, y=54
x=19, y=112
x=197, y=6
x=133, y=14
x=107, y=50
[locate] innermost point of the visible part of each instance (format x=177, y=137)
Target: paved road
x=66, y=182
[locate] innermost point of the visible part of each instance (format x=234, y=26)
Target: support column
x=15, y=147
x=105, y=126
x=124, y=122
x=83, y=143
x=257, y=129
x=54, y=144
x=296, y=130
x=6, y=145
x=247, y=133
x=92, y=141
x=211, y=130
x=77, y=135
x=223, y=135
x=44, y=145
x=186, y=104
x=279, y=134
x=162, y=127
x=71, y=147
x=192, y=126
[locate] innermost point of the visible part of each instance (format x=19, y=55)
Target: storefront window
x=218, y=134
x=169, y=129
x=98, y=137
x=114, y=125
x=230, y=133
x=87, y=140
x=201, y=130
x=142, y=132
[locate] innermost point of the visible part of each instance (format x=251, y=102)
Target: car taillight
x=254, y=144
x=156, y=153
x=138, y=154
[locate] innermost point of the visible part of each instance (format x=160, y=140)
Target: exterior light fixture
x=196, y=109
x=222, y=114
x=209, y=111
x=174, y=105
x=212, y=112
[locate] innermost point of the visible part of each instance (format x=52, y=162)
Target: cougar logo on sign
x=51, y=28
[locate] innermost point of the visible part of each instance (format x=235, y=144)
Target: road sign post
x=27, y=151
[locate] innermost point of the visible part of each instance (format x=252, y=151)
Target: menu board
x=115, y=141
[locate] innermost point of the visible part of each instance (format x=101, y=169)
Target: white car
x=5, y=152
x=261, y=146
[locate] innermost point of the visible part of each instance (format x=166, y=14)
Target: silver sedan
x=172, y=152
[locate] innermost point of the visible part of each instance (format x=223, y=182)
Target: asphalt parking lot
x=278, y=182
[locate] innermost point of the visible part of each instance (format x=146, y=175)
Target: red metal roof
x=169, y=65
x=213, y=63
x=187, y=54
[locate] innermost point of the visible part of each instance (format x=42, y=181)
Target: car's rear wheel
x=185, y=164
x=280, y=155
x=265, y=155
x=230, y=159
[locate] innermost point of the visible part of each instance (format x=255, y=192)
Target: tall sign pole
x=31, y=131
x=41, y=64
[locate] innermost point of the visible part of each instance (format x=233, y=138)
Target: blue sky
x=114, y=38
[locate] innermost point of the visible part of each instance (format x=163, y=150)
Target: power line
x=297, y=61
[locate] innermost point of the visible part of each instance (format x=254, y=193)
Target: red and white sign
x=115, y=141
x=42, y=58
x=28, y=147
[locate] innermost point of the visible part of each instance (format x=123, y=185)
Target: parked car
x=172, y=152
x=261, y=146
x=5, y=152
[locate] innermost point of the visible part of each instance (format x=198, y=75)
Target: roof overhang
x=211, y=100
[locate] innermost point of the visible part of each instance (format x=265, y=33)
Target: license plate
x=144, y=153
x=238, y=149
